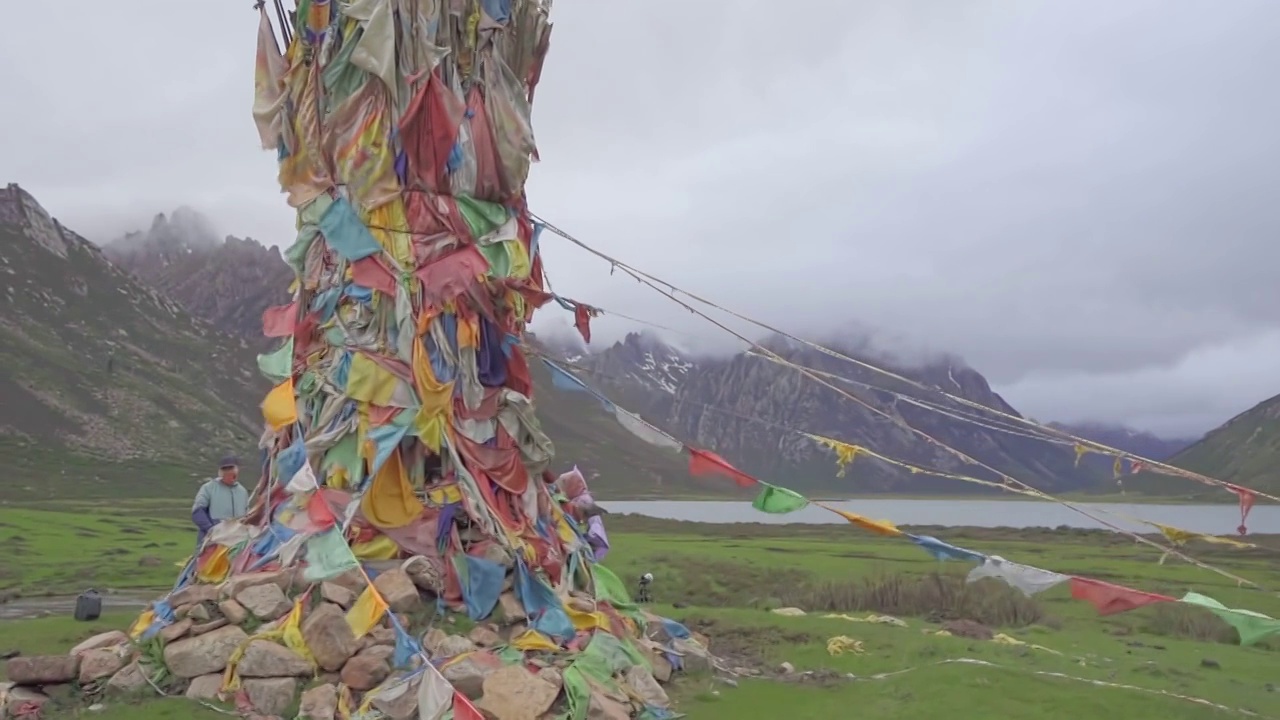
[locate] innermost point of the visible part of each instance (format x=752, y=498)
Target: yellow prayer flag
x=280, y=408
x=379, y=548
x=367, y=612
x=390, y=501
x=1080, y=452
x=142, y=623
x=1178, y=536
x=367, y=381
x=217, y=567
x=845, y=453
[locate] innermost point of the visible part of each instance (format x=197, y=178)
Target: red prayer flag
x=704, y=462
x=370, y=272
x=278, y=321
x=1111, y=599
x=319, y=512
x=463, y=709
x=445, y=278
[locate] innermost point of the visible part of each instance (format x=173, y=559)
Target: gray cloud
x=1075, y=197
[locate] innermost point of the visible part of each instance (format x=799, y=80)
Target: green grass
x=722, y=580
x=84, y=545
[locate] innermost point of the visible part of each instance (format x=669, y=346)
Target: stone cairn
x=404, y=489
x=230, y=647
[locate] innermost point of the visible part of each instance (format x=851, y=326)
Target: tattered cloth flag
x=845, y=453
x=778, y=500
x=1247, y=499
x=879, y=527
x=1029, y=580
x=1251, y=626
x=703, y=463
x=945, y=551
x=1111, y=599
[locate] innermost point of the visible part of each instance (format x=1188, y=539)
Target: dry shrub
x=934, y=596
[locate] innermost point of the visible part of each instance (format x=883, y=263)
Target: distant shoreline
x=1079, y=498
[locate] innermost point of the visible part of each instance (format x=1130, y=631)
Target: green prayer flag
x=1251, y=626
x=482, y=216
x=277, y=366
x=328, y=556
x=778, y=501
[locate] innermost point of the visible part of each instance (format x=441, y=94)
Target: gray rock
x=265, y=602
x=319, y=703
x=43, y=669
x=329, y=637
x=271, y=696
x=265, y=659
x=205, y=687
x=205, y=654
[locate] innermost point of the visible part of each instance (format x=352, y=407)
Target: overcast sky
x=1079, y=197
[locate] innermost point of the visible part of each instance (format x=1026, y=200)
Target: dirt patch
x=740, y=645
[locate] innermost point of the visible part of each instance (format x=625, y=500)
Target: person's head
x=229, y=470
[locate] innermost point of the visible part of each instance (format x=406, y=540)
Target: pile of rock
x=222, y=626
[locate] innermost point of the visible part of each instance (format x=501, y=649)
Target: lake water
x=1209, y=519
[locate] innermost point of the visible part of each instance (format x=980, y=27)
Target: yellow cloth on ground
x=841, y=644
x=389, y=501
x=279, y=407
x=533, y=640
x=367, y=612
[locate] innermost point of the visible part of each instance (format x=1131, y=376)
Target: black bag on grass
x=88, y=606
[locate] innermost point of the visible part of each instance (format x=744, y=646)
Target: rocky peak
x=225, y=281
x=19, y=210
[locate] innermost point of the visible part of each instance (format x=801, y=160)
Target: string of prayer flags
x=778, y=501
x=1107, y=598
x=1029, y=580
x=1179, y=537
x=1111, y=599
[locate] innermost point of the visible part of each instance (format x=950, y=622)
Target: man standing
x=222, y=498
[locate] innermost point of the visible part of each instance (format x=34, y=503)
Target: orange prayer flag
x=280, y=408
x=879, y=527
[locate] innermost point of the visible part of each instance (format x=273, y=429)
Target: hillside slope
x=1245, y=450
x=107, y=388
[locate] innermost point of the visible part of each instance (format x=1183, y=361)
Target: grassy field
x=723, y=580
